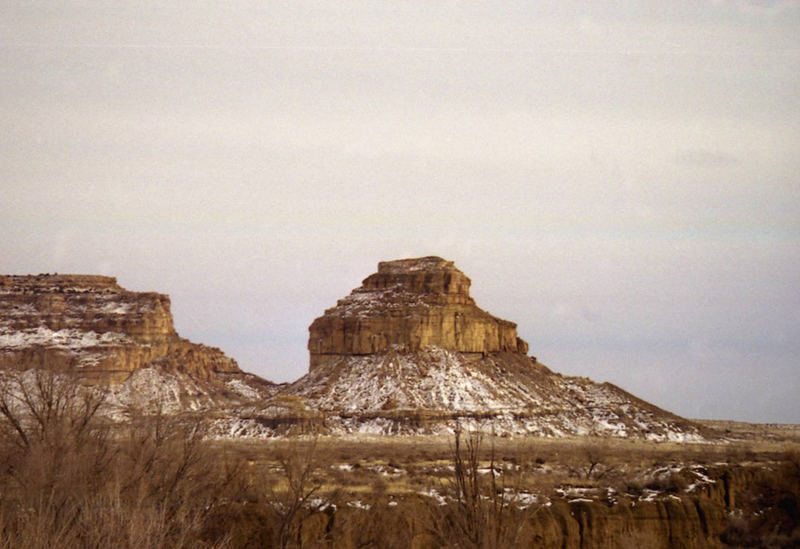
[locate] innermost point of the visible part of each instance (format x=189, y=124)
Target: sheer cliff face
x=408, y=305
x=92, y=325
x=74, y=304
x=411, y=339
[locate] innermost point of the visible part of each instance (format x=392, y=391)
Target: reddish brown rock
x=91, y=325
x=407, y=305
x=409, y=351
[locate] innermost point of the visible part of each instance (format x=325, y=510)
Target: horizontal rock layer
x=91, y=325
x=409, y=351
x=410, y=304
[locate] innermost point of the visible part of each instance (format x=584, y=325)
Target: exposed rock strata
x=407, y=305
x=409, y=351
x=91, y=326
x=694, y=520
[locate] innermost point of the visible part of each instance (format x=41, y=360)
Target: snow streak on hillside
x=506, y=392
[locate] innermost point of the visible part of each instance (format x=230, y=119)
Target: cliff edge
x=90, y=326
x=410, y=351
x=410, y=304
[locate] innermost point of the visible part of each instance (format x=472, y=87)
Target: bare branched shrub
x=382, y=526
x=280, y=504
x=44, y=407
x=68, y=481
x=298, y=469
x=479, y=509
x=54, y=450
x=591, y=461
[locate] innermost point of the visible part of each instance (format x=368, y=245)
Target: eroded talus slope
x=410, y=350
x=90, y=326
x=505, y=391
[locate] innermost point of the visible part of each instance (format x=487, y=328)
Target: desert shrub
x=379, y=486
x=478, y=510
x=590, y=460
x=68, y=481
x=380, y=527
x=283, y=506
x=739, y=453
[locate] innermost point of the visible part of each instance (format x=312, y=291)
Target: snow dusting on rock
x=427, y=390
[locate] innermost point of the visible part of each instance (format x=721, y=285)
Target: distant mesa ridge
x=91, y=325
x=408, y=351
x=410, y=304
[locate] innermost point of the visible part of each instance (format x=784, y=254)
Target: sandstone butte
x=91, y=325
x=410, y=339
x=410, y=304
x=411, y=343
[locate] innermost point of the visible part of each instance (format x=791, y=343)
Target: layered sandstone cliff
x=410, y=304
x=410, y=351
x=90, y=325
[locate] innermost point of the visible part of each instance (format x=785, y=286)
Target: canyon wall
x=687, y=521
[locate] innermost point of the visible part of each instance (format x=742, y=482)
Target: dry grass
x=68, y=479
x=405, y=465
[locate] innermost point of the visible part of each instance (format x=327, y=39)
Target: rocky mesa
x=409, y=351
x=91, y=326
x=410, y=304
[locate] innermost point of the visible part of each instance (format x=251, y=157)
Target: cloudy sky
x=623, y=181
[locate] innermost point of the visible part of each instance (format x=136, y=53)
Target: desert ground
x=71, y=479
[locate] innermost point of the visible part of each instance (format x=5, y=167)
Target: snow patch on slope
x=426, y=391
x=61, y=339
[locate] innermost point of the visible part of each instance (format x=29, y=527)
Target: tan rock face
x=407, y=305
x=92, y=325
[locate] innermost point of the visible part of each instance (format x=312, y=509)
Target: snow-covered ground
x=407, y=392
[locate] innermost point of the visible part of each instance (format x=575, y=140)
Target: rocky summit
x=91, y=326
x=410, y=351
x=410, y=304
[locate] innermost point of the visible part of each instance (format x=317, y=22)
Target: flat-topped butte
x=410, y=304
x=91, y=325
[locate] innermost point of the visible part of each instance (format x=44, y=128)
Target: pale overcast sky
x=622, y=179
